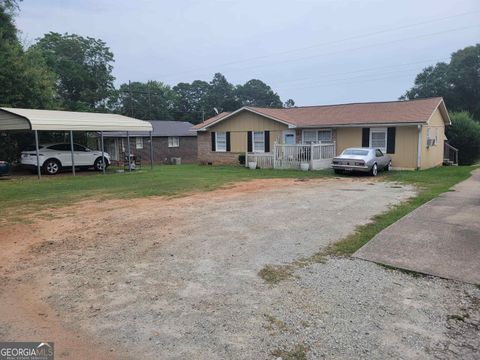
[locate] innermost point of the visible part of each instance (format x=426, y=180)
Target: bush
x=464, y=134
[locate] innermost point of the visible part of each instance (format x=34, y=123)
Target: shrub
x=464, y=134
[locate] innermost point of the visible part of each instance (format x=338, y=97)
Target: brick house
x=170, y=139
x=411, y=132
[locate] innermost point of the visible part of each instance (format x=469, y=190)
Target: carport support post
x=39, y=172
x=151, y=151
x=103, y=153
x=128, y=153
x=71, y=150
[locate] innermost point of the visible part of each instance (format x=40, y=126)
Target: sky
x=313, y=51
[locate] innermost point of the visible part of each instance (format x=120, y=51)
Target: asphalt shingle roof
x=391, y=112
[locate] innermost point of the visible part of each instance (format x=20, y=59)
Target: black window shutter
x=213, y=142
x=249, y=141
x=366, y=137
x=391, y=140
x=228, y=140
x=267, y=141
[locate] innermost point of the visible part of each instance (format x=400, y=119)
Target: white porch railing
x=290, y=156
x=263, y=160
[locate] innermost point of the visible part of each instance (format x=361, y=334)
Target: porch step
x=448, y=162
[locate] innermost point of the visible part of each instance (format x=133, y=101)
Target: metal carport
x=54, y=120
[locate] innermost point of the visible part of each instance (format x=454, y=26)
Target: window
x=436, y=136
x=258, y=141
x=316, y=136
x=378, y=153
x=378, y=138
x=77, y=147
x=173, y=141
x=60, y=147
x=325, y=135
x=138, y=143
x=221, y=141
x=355, y=152
x=309, y=136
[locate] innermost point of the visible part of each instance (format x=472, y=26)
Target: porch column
x=311, y=156
x=39, y=172
x=151, y=151
x=103, y=152
x=71, y=151
x=128, y=153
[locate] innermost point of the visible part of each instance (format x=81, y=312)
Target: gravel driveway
x=177, y=278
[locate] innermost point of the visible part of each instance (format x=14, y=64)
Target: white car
x=54, y=157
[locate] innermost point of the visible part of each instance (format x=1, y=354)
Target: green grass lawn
x=430, y=183
x=22, y=195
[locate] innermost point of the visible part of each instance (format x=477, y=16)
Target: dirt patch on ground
x=177, y=278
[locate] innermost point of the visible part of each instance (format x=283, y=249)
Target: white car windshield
x=355, y=152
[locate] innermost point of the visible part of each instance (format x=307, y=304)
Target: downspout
x=419, y=147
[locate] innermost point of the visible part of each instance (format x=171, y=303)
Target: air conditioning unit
x=431, y=142
x=175, y=160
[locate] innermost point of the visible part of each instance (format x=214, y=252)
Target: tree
x=289, y=104
x=256, y=93
x=25, y=80
x=152, y=100
x=83, y=67
x=464, y=134
x=24, y=77
x=9, y=5
x=221, y=95
x=191, y=100
x=458, y=82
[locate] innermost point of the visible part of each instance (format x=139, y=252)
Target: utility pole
x=131, y=99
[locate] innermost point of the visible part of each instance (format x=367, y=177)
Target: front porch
x=292, y=156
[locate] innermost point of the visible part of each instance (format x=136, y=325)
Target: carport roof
x=53, y=120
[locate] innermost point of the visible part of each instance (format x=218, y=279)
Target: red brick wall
x=206, y=155
x=187, y=149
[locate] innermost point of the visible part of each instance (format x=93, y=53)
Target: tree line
x=458, y=82
x=72, y=72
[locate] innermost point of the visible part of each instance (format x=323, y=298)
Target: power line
x=364, y=70
x=363, y=47
x=321, y=44
x=344, y=81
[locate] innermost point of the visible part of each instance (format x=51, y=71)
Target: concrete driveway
x=440, y=238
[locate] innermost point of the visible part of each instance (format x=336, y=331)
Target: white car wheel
x=374, y=170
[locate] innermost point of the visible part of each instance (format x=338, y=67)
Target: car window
x=355, y=152
x=32, y=147
x=77, y=147
x=378, y=153
x=60, y=147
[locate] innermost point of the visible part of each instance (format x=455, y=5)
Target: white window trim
x=316, y=134
x=253, y=142
x=384, y=130
x=171, y=143
x=216, y=141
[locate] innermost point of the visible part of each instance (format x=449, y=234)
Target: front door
x=289, y=137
